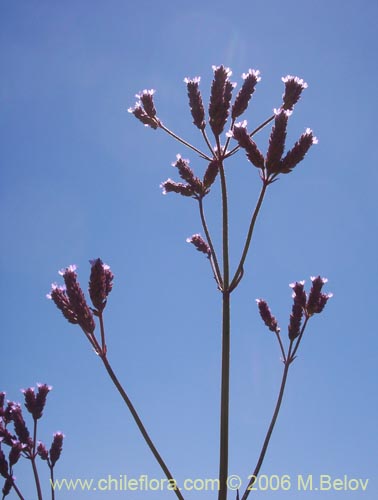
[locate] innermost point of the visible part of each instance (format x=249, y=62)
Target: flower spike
x=294, y=87
x=245, y=93
x=195, y=102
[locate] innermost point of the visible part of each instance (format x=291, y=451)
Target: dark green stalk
x=217, y=273
x=288, y=361
x=187, y=144
x=34, y=466
x=225, y=383
x=239, y=270
x=140, y=425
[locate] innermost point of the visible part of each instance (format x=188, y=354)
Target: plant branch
x=206, y=139
x=140, y=425
x=34, y=466
x=288, y=361
x=235, y=281
x=217, y=273
x=225, y=383
x=187, y=144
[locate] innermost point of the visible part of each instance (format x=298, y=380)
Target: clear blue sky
x=80, y=179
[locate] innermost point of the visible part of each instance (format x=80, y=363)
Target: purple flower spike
x=56, y=448
x=299, y=293
x=220, y=97
x=245, y=93
x=40, y=400
x=146, y=98
x=186, y=173
x=294, y=87
x=267, y=316
x=100, y=284
x=7, y=486
x=19, y=424
x=169, y=186
x=240, y=134
x=142, y=116
x=277, y=141
x=200, y=244
x=211, y=174
x=195, y=102
x=15, y=452
x=317, y=300
x=298, y=152
x=59, y=297
x=3, y=465
x=299, y=303
x=42, y=451
x=77, y=300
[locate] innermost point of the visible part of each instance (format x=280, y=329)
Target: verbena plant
x=219, y=147
x=23, y=444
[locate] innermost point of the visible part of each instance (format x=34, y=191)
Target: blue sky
x=80, y=179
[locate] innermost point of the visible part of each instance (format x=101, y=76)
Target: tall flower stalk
x=217, y=139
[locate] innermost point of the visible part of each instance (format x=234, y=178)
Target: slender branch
x=187, y=144
x=207, y=141
x=288, y=361
x=228, y=140
x=300, y=337
x=217, y=273
x=236, y=279
x=36, y=478
x=34, y=466
x=225, y=383
x=140, y=425
x=15, y=487
x=281, y=346
x=52, y=483
x=103, y=343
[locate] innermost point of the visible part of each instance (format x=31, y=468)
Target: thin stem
x=228, y=139
x=14, y=486
x=103, y=343
x=34, y=466
x=288, y=361
x=257, y=129
x=36, y=478
x=187, y=144
x=217, y=272
x=300, y=337
x=225, y=383
x=141, y=426
x=52, y=483
x=207, y=141
x=235, y=280
x=281, y=346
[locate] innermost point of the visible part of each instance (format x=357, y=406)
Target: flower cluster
x=20, y=442
x=275, y=162
x=71, y=301
x=144, y=109
x=303, y=307
x=193, y=186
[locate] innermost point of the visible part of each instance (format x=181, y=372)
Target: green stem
x=217, y=273
x=187, y=144
x=141, y=426
x=235, y=279
x=288, y=361
x=206, y=139
x=225, y=382
x=34, y=466
x=52, y=483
